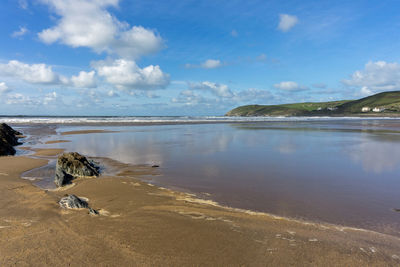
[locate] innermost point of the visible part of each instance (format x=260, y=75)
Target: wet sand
x=85, y=132
x=56, y=142
x=141, y=224
x=48, y=152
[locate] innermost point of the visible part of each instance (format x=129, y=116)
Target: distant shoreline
x=382, y=104
x=148, y=121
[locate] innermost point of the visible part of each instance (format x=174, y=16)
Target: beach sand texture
x=140, y=224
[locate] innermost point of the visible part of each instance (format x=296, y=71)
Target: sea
x=338, y=170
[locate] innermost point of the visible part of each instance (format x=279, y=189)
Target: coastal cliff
x=382, y=104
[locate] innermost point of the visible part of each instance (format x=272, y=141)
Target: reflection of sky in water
x=376, y=154
x=329, y=171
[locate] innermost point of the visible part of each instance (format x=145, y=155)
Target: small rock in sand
x=73, y=202
x=93, y=212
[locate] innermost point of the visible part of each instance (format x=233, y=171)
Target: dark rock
x=71, y=165
x=62, y=178
x=7, y=128
x=77, y=165
x=73, y=202
x=8, y=139
x=93, y=212
x=155, y=166
x=6, y=149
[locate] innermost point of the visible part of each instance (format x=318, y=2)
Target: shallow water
x=338, y=171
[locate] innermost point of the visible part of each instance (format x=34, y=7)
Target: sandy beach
x=142, y=224
x=199, y=133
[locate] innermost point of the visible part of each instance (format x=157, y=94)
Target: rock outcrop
x=72, y=165
x=74, y=202
x=62, y=178
x=8, y=139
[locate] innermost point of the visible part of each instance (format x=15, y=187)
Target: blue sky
x=110, y=57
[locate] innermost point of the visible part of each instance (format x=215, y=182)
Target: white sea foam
x=162, y=119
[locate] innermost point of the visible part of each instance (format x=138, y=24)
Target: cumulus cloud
x=220, y=94
x=136, y=41
x=84, y=80
x=190, y=98
x=376, y=77
x=220, y=90
x=286, y=22
x=208, y=64
x=44, y=74
x=290, y=86
x=50, y=98
x=126, y=75
x=21, y=32
x=211, y=64
x=34, y=73
x=87, y=23
x=4, y=88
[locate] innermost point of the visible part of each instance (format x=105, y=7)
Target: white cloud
x=290, y=86
x=126, y=75
x=23, y=4
x=112, y=93
x=20, y=99
x=137, y=41
x=223, y=96
x=208, y=64
x=50, y=98
x=87, y=23
x=376, y=77
x=211, y=64
x=21, y=32
x=286, y=22
x=190, y=98
x=220, y=90
x=95, y=96
x=82, y=23
x=44, y=74
x=84, y=80
x=365, y=91
x=34, y=73
x=4, y=88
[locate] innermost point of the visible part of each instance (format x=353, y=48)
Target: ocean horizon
x=50, y=119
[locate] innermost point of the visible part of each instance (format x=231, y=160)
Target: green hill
x=382, y=104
